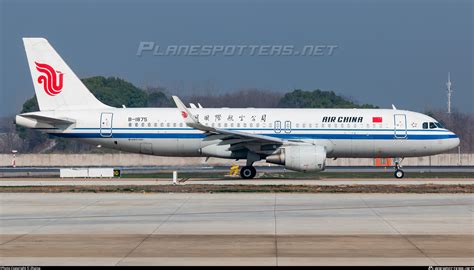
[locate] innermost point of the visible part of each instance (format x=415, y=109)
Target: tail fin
x=56, y=85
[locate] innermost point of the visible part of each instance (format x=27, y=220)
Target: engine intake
x=304, y=158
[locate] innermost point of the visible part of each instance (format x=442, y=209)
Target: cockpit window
x=432, y=125
x=439, y=125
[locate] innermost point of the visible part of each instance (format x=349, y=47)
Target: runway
x=236, y=229
x=12, y=182
x=54, y=171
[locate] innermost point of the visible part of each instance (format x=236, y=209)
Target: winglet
x=192, y=121
x=188, y=117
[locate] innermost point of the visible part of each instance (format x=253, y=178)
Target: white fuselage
x=343, y=132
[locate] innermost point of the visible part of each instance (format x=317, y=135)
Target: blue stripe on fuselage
x=282, y=136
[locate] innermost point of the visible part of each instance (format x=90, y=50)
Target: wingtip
x=177, y=100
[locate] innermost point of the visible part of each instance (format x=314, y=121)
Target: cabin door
x=400, y=126
x=106, y=124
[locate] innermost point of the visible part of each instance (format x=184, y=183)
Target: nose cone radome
x=445, y=144
x=452, y=142
x=456, y=141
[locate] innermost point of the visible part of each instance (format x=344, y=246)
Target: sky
x=387, y=52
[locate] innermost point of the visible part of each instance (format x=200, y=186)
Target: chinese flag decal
x=184, y=114
x=376, y=119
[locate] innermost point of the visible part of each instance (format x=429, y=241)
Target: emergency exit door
x=287, y=126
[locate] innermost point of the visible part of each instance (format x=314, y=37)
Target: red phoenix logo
x=51, y=79
x=184, y=114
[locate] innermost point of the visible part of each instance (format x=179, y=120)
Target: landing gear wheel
x=399, y=174
x=248, y=172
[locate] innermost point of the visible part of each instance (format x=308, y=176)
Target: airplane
x=298, y=139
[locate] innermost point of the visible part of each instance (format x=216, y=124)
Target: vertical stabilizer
x=56, y=85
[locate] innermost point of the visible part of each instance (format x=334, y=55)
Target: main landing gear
x=248, y=172
x=398, y=169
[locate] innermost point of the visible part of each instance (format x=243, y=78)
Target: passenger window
x=432, y=125
x=180, y=124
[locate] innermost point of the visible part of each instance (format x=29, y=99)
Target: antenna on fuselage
x=450, y=92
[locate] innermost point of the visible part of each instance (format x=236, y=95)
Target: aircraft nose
x=456, y=141
x=453, y=141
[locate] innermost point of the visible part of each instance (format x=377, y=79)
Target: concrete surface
x=9, y=172
x=231, y=181
x=236, y=229
x=127, y=159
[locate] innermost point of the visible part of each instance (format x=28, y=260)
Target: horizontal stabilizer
x=33, y=120
x=49, y=120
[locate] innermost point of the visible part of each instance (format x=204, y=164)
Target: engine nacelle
x=305, y=158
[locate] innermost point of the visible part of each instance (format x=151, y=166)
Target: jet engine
x=304, y=158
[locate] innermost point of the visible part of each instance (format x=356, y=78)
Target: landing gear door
x=106, y=124
x=400, y=126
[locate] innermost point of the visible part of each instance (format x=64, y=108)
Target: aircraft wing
x=227, y=136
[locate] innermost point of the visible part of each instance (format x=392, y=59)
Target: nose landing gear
x=399, y=173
